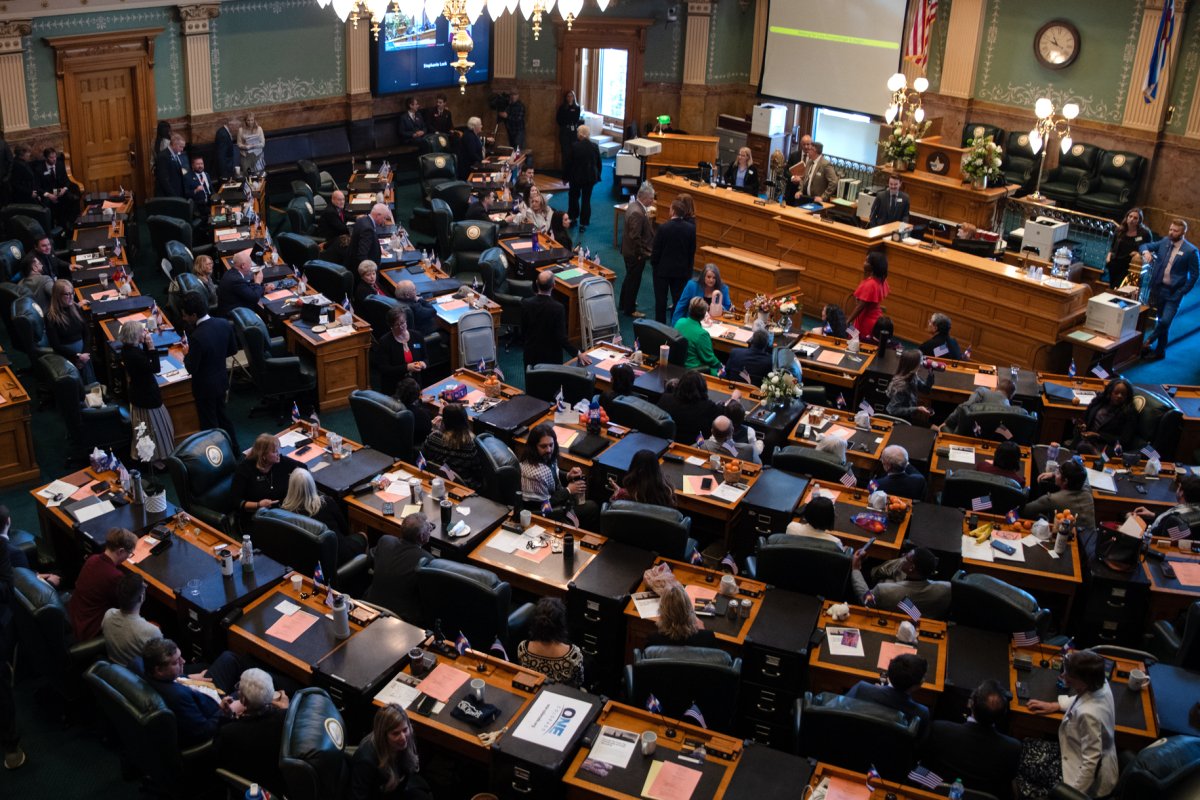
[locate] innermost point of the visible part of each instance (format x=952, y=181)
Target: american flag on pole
x=295, y=413
x=841, y=401
x=318, y=575
x=1100, y=372
x=1026, y=639
x=977, y=430
x=921, y=775
x=693, y=713
x=917, y=49
x=497, y=649
x=981, y=503
x=966, y=353
x=909, y=607
x=1162, y=48
x=848, y=479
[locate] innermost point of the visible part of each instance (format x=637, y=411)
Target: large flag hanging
x=917, y=48
x=1162, y=46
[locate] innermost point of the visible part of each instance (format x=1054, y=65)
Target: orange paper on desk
x=109, y=204
x=307, y=453
x=607, y=364
x=452, y=305
x=289, y=627
x=1188, y=572
x=138, y=317
x=842, y=789
x=829, y=357
x=674, y=782
x=889, y=650
x=692, y=484
x=536, y=556
x=84, y=491
x=839, y=432
x=565, y=436
x=142, y=548
x=107, y=294
x=278, y=294
x=985, y=379
x=389, y=497
x=473, y=397
x=700, y=592
x=442, y=682
x=1102, y=341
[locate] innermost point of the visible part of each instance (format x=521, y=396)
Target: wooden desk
x=725, y=513
x=749, y=273
x=849, y=502
x=863, y=447
x=175, y=384
x=18, y=462
x=341, y=359
x=1058, y=414
x=567, y=433
x=310, y=448
x=602, y=358
x=1169, y=597
x=541, y=571
x=835, y=673
x=827, y=359
x=723, y=754
x=1188, y=400
x=476, y=401
x=884, y=790
x=567, y=278
x=985, y=450
x=680, y=151
x=90, y=293
x=1090, y=348
x=1137, y=720
x=947, y=197
x=1159, y=491
x=731, y=333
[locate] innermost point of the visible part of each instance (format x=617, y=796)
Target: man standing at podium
x=797, y=156
x=1176, y=267
x=820, y=181
x=889, y=206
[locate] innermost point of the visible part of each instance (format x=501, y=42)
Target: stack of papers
x=963, y=455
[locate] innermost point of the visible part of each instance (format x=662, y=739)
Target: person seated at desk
x=202, y=268
x=542, y=481
x=700, y=353
x=241, y=286
x=37, y=283
x=910, y=575
x=1187, y=501
x=941, y=344
x=751, y=363
x=743, y=433
x=333, y=220
x=833, y=321
x=689, y=405
x=869, y=295
x=304, y=498
x=976, y=750
x=470, y=148
x=452, y=448
x=1070, y=492
x=396, y=561
x=621, y=378
x=438, y=119
x=705, y=286
x=833, y=445
x=721, y=441
x=1006, y=462
x=96, y=587
x=818, y=519
x=906, y=387
x=408, y=392
x=538, y=213
x=412, y=125
x=899, y=476
x=1111, y=419
x=337, y=249
x=248, y=744
x=70, y=335
x=424, y=313
x=197, y=714
x=905, y=673
x=396, y=354
x=742, y=174
x=677, y=622
x=260, y=480
x=368, y=283
x=548, y=649
x=385, y=765
x=1002, y=395
x=126, y=632
x=644, y=482
x=889, y=206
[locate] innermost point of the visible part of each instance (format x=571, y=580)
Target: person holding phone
x=542, y=481
x=644, y=482
x=909, y=576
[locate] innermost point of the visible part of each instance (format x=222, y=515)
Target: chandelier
x=461, y=14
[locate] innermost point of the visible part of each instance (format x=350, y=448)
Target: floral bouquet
x=779, y=386
x=982, y=160
x=901, y=145
x=764, y=305
x=788, y=306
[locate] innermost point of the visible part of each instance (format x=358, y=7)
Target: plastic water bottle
x=593, y=425
x=533, y=238
x=247, y=554
x=256, y=792
x=956, y=790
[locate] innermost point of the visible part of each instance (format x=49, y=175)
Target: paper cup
x=649, y=742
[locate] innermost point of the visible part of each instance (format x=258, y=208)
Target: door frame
x=92, y=52
x=607, y=33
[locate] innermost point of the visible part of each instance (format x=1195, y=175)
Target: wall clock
x=1056, y=44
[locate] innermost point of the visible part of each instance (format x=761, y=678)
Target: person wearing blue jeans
x=1176, y=265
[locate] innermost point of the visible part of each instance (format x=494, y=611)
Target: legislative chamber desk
x=1171, y=597
x=567, y=279
x=1133, y=487
x=681, y=152
x=945, y=197
x=18, y=462
x=848, y=503
x=845, y=783
x=1188, y=400
x=864, y=446
x=1010, y=318
x=951, y=452
x=308, y=446
x=526, y=558
x=340, y=354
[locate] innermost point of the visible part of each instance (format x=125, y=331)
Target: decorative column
x=695, y=53
x=1138, y=113
x=760, y=41
x=198, y=57
x=963, y=39
x=358, y=58
x=504, y=47
x=1192, y=131
x=14, y=107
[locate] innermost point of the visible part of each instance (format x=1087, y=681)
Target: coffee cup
x=728, y=585
x=526, y=518
x=477, y=687
x=649, y=742
x=297, y=583
x=1138, y=679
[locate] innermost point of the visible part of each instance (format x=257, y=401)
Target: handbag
x=1119, y=551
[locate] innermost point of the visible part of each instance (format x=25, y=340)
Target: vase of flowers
x=780, y=387
x=900, y=146
x=764, y=306
x=154, y=492
x=981, y=162
x=788, y=307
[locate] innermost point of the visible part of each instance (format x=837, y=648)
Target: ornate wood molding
x=89, y=45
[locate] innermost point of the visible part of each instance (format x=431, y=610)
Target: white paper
x=1018, y=553
x=57, y=487
x=1100, y=481
x=204, y=689
x=963, y=455
x=290, y=438
x=979, y=552
x=1030, y=540
x=728, y=493
x=552, y=720
x=409, y=508
x=286, y=607
x=93, y=511
x=1133, y=526
x=568, y=417
x=614, y=746
x=463, y=511
x=806, y=349
x=1083, y=396
x=318, y=467
x=506, y=541
x=695, y=461
x=833, y=637
x=398, y=692
x=398, y=476
x=646, y=604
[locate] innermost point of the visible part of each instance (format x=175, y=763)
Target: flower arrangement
x=982, y=160
x=779, y=386
x=788, y=306
x=763, y=304
x=901, y=145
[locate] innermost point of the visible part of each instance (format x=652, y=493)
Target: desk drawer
x=779, y=736
x=774, y=706
x=773, y=668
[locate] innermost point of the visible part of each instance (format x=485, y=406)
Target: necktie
x=1170, y=263
x=812, y=170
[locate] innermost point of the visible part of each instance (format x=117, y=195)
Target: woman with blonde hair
x=742, y=174
x=202, y=268
x=68, y=331
x=386, y=763
x=677, y=621
x=252, y=140
x=142, y=366
x=304, y=498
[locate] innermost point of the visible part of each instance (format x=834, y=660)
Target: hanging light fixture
x=570, y=9
x=1049, y=125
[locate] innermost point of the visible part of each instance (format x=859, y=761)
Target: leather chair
x=545, y=381
x=470, y=600
x=662, y=530
x=321, y=182
x=10, y=293
x=508, y=292
x=641, y=415
x=106, y=427
x=501, y=470
x=964, y=485
x=147, y=732
x=802, y=564
x=468, y=242
x=301, y=189
x=312, y=753
x=43, y=630
x=1168, y=769
x=332, y=280
x=1113, y=191
x=1020, y=163
x=300, y=216
x=27, y=223
x=982, y=601
x=29, y=329
x=302, y=542
x=433, y=223
x=1159, y=423
x=201, y=467
x=434, y=169
x=882, y=736
x=180, y=257
x=383, y=423
x=165, y=229
x=1021, y=423
x=809, y=462
x=374, y=308
x=25, y=542
x=979, y=130
x=1179, y=648
x=297, y=250
x=278, y=374
x=183, y=284
x=1073, y=176
x=651, y=335
x=177, y=207
x=435, y=143
x=681, y=676
x=11, y=253
x=456, y=194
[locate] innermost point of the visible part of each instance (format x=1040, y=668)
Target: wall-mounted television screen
x=414, y=53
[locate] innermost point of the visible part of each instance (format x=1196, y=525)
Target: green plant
x=982, y=159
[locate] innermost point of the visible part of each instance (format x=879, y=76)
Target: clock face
x=1056, y=44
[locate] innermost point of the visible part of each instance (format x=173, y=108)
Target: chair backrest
x=383, y=423
x=660, y=529
x=1168, y=769
x=981, y=130
x=177, y=207
x=809, y=462
x=201, y=467
x=10, y=293
x=29, y=328
x=301, y=189
x=1120, y=170
x=1159, y=421
x=493, y=270
x=299, y=215
x=501, y=470
x=456, y=194
x=144, y=725
x=476, y=338
x=298, y=541
x=991, y=417
x=982, y=601
x=435, y=143
x=804, y=564
x=641, y=415
x=1018, y=155
x=1081, y=161
x=465, y=598
x=651, y=335
x=42, y=625
x=27, y=224
x=67, y=389
x=468, y=240
x=681, y=676
x=312, y=753
x=296, y=249
x=332, y=280
x=435, y=166
x=1188, y=656
x=312, y=176
x=254, y=338
x=374, y=308
x=883, y=737
x=11, y=253
x=545, y=381
x=180, y=257
x=964, y=485
x=597, y=312
x=164, y=229
x=443, y=218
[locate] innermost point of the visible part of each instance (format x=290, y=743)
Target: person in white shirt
x=126, y=632
x=819, y=519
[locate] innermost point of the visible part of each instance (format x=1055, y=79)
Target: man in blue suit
x=226, y=147
x=1176, y=265
x=170, y=167
x=197, y=714
x=241, y=286
x=211, y=342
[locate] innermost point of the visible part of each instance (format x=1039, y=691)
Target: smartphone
x=100, y=488
x=1167, y=570
x=867, y=546
x=389, y=509
x=1139, y=488
x=706, y=483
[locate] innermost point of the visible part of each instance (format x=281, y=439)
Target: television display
x=414, y=53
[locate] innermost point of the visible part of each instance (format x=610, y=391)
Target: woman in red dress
x=869, y=295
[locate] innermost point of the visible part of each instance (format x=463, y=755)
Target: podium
x=940, y=157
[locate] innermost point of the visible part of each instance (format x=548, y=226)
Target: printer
x=1112, y=315
x=1044, y=234
x=643, y=148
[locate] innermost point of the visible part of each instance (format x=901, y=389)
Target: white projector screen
x=834, y=53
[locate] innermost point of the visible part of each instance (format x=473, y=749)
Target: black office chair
x=456, y=194
x=183, y=284
x=809, y=462
x=1020, y=163
x=106, y=427
x=883, y=737
x=11, y=254
x=332, y=280
x=435, y=143
x=297, y=250
x=1114, y=189
x=1180, y=648
x=964, y=485
x=1159, y=423
x=501, y=470
x=802, y=564
x=468, y=242
x=979, y=131
x=374, y=308
x=177, y=207
x=301, y=190
x=981, y=601
x=682, y=676
x=312, y=754
x=279, y=375
x=662, y=530
x=28, y=223
x=641, y=415
x=545, y=381
x=1168, y=769
x=321, y=182
x=179, y=257
x=435, y=169
x=299, y=213
x=991, y=417
x=29, y=328
x=1073, y=175
x=303, y=542
x=46, y=647
x=383, y=423
x=651, y=335
x=431, y=226
x=470, y=600
x=165, y=229
x=201, y=467
x=508, y=292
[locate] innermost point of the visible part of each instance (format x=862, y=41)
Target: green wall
x=937, y=45
x=730, y=44
x=1184, y=80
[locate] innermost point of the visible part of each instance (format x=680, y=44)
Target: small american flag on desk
x=1026, y=639
x=694, y=714
x=921, y=775
x=848, y=479
x=981, y=503
x=461, y=644
x=872, y=775
x=909, y=607
x=1176, y=532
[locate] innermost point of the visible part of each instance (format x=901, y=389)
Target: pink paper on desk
x=699, y=592
x=985, y=379
x=830, y=357
x=674, y=782
x=307, y=453
x=390, y=497
x=1188, y=572
x=138, y=317
x=889, y=650
x=1102, y=341
x=111, y=204
x=443, y=682
x=84, y=491
x=278, y=294
x=839, y=432
x=536, y=556
x=516, y=246
x=107, y=294
x=289, y=627
x=473, y=397
x=607, y=364
x=691, y=484
x=842, y=789
x=336, y=333
x=565, y=436
x=452, y=305
x=142, y=549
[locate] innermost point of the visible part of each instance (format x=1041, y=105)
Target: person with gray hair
x=940, y=344
x=834, y=445
x=721, y=441
x=636, y=245
x=364, y=238
x=424, y=314
x=368, y=283
x=248, y=745
x=242, y=286
x=900, y=477
x=142, y=365
x=470, y=148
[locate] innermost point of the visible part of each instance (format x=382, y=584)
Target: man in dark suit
x=199, y=186
x=754, y=359
x=1176, y=267
x=56, y=192
x=423, y=314
x=332, y=221
x=470, y=148
x=975, y=750
x=636, y=245
x=396, y=564
x=170, y=169
x=438, y=119
x=242, y=286
x=364, y=237
x=197, y=715
x=225, y=144
x=889, y=206
x=799, y=156
x=544, y=324
x=585, y=173
x=905, y=673
x=22, y=184
x=52, y=265
x=412, y=124
x=900, y=477
x=211, y=342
